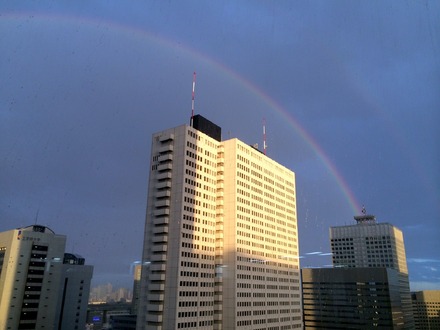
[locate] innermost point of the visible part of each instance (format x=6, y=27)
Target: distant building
x=368, y=244
x=37, y=289
x=221, y=243
x=136, y=289
x=426, y=307
x=351, y=298
x=99, y=316
x=375, y=253
x=372, y=244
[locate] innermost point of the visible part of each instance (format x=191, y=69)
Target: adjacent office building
x=368, y=244
x=426, y=307
x=220, y=248
x=372, y=244
x=369, y=272
x=351, y=298
x=40, y=286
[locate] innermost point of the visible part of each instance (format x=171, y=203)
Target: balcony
x=161, y=221
x=156, y=286
x=162, y=203
x=166, y=149
x=159, y=247
x=163, y=176
x=156, y=277
x=166, y=137
x=161, y=212
x=165, y=167
x=154, y=317
x=163, y=194
x=165, y=158
x=158, y=267
x=163, y=184
x=160, y=230
x=160, y=239
x=156, y=308
x=155, y=296
x=158, y=257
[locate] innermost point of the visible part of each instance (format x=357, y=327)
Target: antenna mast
x=193, y=94
x=36, y=216
x=264, y=136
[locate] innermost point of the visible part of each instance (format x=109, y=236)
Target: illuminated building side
x=261, y=276
x=426, y=307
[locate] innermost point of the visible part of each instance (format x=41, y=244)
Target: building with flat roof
x=368, y=285
x=351, y=298
x=368, y=244
x=426, y=308
x=221, y=243
x=40, y=286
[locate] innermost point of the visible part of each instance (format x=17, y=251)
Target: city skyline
x=350, y=106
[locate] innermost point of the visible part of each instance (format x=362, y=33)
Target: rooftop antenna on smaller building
x=193, y=95
x=365, y=218
x=36, y=215
x=264, y=136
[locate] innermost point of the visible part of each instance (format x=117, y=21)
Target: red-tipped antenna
x=264, y=136
x=193, y=94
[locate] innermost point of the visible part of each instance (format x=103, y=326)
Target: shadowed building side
x=351, y=298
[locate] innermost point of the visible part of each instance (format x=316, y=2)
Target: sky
x=349, y=92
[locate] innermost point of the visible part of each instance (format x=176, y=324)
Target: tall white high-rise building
x=220, y=247
x=32, y=259
x=40, y=286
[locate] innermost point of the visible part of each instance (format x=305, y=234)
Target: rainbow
x=13, y=17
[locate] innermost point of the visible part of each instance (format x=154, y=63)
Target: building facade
x=220, y=247
x=351, y=298
x=37, y=290
x=426, y=307
x=370, y=244
x=74, y=293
